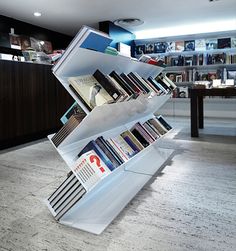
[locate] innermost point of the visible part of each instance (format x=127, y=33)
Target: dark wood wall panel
x=32, y=102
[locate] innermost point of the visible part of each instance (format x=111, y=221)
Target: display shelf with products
x=192, y=57
x=95, y=190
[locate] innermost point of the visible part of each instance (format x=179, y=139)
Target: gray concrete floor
x=190, y=205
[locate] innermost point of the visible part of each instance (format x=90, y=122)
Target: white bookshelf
x=100, y=205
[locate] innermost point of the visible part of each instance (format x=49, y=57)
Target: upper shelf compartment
x=82, y=61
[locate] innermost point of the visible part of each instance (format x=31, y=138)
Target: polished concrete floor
x=189, y=205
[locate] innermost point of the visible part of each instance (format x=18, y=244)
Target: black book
x=121, y=82
x=160, y=81
x=137, y=80
x=164, y=122
x=140, y=138
x=107, y=84
x=132, y=84
x=158, y=85
x=151, y=86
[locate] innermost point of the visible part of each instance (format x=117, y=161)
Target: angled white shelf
x=100, y=205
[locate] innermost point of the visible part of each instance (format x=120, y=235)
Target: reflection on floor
x=190, y=205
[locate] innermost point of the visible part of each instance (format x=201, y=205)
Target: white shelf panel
x=83, y=62
x=96, y=210
x=105, y=117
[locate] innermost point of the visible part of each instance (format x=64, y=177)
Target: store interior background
x=190, y=205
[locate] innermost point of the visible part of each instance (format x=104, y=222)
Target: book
x=148, y=136
x=233, y=42
x=140, y=49
x=224, y=43
x=149, y=48
x=107, y=84
x=154, y=134
x=160, y=47
x=170, y=46
x=62, y=187
x=15, y=41
x=89, y=168
x=164, y=122
x=135, y=87
x=115, y=161
x=123, y=84
x=124, y=146
x=211, y=44
x=189, y=45
x=157, y=85
x=157, y=124
x=118, y=150
x=61, y=199
x=67, y=128
x=140, y=137
x=138, y=79
x=66, y=197
x=163, y=84
x=92, y=145
x=74, y=109
x=128, y=135
x=179, y=46
x=25, y=43
x=153, y=128
x=182, y=92
x=77, y=195
x=124, y=95
x=90, y=90
x=200, y=45
x=154, y=88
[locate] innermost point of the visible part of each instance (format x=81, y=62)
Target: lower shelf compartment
x=96, y=210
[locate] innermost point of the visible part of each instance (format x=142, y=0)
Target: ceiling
x=67, y=16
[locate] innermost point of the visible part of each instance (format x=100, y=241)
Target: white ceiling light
x=188, y=29
x=37, y=14
x=128, y=22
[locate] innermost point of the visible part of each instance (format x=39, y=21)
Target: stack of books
x=66, y=196
x=67, y=128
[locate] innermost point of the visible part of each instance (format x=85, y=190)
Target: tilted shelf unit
x=100, y=205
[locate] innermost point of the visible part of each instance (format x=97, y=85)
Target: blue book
x=74, y=109
x=96, y=41
x=131, y=144
x=92, y=145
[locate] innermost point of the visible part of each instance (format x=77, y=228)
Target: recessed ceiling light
x=37, y=14
x=128, y=22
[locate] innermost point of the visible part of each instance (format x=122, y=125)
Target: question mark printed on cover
x=94, y=158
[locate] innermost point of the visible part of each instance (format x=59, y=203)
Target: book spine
x=153, y=133
x=131, y=143
x=107, y=84
x=147, y=135
x=140, y=137
x=114, y=153
x=118, y=150
x=108, y=153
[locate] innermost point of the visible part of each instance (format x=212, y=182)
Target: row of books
x=99, y=88
x=189, y=45
x=66, y=196
x=100, y=157
x=200, y=59
x=192, y=75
